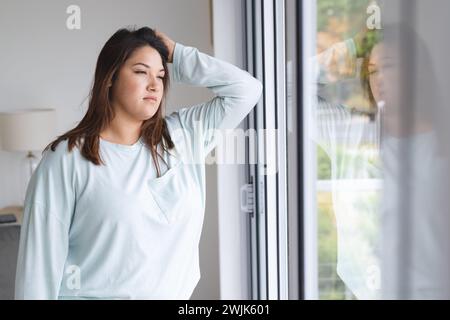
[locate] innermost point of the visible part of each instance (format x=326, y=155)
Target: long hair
x=100, y=113
x=369, y=43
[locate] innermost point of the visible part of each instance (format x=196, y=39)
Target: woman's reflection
x=390, y=234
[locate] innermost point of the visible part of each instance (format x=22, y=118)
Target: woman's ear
x=111, y=79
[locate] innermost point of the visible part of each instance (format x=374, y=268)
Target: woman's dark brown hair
x=100, y=111
x=372, y=38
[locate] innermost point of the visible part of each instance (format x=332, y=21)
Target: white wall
x=44, y=64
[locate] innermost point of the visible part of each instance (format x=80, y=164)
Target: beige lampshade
x=27, y=129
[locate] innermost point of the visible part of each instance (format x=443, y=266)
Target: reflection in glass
x=383, y=157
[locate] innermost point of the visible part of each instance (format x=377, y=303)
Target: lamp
x=27, y=130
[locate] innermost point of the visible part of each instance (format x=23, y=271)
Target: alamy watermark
x=73, y=281
x=374, y=20
x=73, y=21
x=231, y=146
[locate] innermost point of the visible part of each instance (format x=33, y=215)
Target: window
x=358, y=207
x=348, y=172
x=381, y=162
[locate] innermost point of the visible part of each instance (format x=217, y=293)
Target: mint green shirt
x=117, y=231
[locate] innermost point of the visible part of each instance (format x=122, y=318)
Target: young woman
x=115, y=207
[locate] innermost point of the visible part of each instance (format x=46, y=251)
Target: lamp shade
x=27, y=129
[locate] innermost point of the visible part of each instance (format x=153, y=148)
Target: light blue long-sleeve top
x=118, y=231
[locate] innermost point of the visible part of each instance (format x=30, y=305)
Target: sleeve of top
x=336, y=63
x=43, y=246
x=332, y=65
x=236, y=93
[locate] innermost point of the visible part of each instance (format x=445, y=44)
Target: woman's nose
x=152, y=84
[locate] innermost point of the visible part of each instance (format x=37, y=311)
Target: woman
x=102, y=219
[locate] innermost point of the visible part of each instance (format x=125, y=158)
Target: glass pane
x=348, y=185
x=382, y=149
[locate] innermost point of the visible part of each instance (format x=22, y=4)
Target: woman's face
x=384, y=76
x=139, y=79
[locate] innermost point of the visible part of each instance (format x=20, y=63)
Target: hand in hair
x=170, y=44
x=365, y=40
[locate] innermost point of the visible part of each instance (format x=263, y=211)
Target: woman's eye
x=143, y=72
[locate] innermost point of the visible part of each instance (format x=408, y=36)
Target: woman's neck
x=122, y=134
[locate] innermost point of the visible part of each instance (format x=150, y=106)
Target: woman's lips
x=151, y=98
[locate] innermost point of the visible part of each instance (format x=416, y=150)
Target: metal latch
x=247, y=197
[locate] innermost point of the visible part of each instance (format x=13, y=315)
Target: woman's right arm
x=332, y=65
x=44, y=234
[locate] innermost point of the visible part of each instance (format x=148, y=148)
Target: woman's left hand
x=170, y=44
